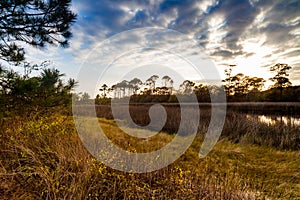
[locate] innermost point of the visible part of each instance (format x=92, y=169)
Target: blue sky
x=253, y=34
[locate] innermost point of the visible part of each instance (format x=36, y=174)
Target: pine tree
x=33, y=22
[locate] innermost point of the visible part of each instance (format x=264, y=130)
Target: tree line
x=238, y=88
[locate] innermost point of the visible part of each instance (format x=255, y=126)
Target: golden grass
x=44, y=158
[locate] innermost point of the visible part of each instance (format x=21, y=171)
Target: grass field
x=43, y=158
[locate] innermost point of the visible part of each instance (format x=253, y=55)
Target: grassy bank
x=43, y=158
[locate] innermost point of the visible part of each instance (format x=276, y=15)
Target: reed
x=238, y=127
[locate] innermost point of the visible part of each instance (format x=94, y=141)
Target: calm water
x=271, y=120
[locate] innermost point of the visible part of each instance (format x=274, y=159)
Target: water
x=273, y=119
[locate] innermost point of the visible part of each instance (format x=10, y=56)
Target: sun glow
x=252, y=65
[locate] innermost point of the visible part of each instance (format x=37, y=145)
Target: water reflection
x=272, y=120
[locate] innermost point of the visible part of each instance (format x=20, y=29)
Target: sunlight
x=252, y=65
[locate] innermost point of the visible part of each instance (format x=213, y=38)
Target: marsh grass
x=238, y=127
x=43, y=158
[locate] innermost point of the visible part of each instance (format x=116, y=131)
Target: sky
x=112, y=36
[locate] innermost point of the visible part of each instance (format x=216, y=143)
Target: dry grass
x=238, y=127
x=43, y=158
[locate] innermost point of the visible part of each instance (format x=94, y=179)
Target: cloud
x=225, y=53
x=238, y=16
x=95, y=15
x=226, y=29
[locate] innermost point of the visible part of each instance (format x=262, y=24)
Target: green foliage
x=99, y=100
x=21, y=94
x=34, y=22
x=287, y=94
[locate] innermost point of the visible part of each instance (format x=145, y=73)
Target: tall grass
x=238, y=127
x=44, y=159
